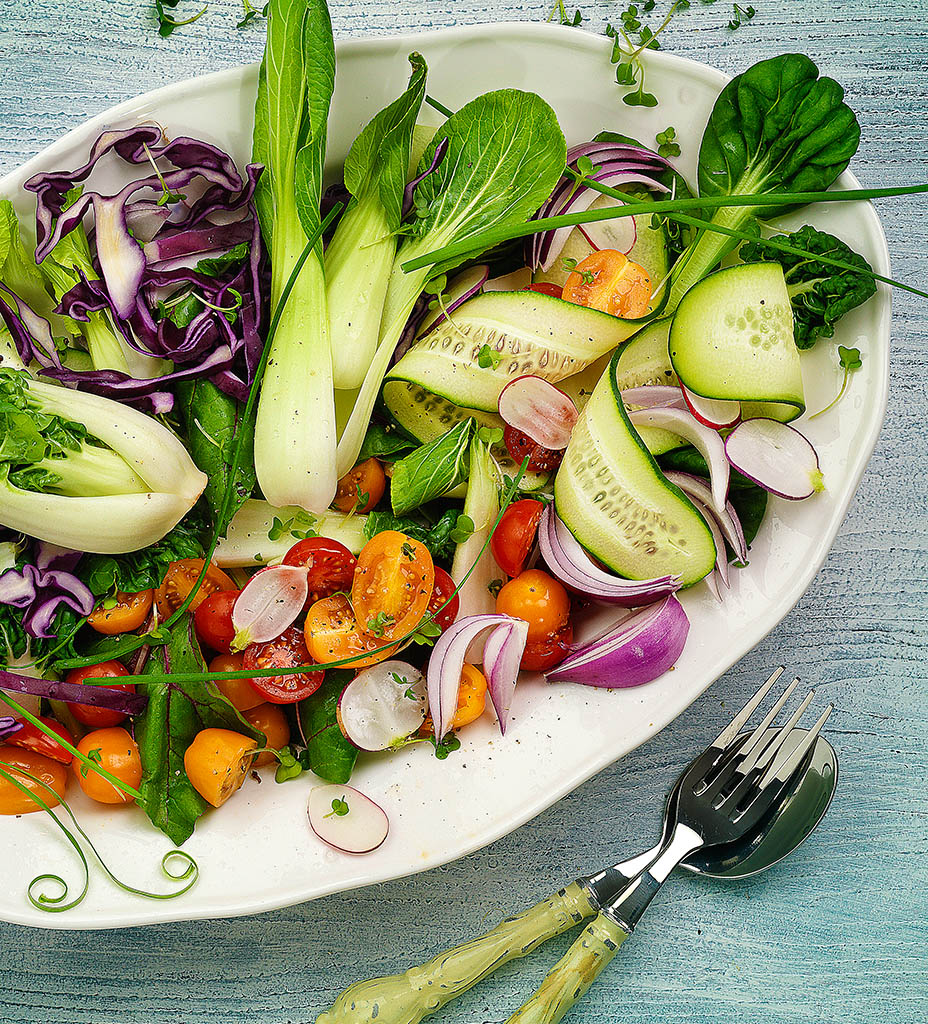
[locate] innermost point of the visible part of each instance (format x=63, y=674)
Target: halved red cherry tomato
x=361, y=488
x=539, y=599
x=546, y=288
x=126, y=616
x=54, y=774
x=393, y=584
x=540, y=655
x=213, y=620
x=287, y=651
x=31, y=737
x=332, y=634
x=331, y=566
x=513, y=539
x=86, y=714
x=179, y=581
x=520, y=445
x=444, y=588
x=610, y=281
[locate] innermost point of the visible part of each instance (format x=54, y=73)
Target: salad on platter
x=295, y=471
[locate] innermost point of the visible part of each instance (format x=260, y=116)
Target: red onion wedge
x=540, y=410
x=639, y=649
x=346, y=819
x=776, y=457
x=383, y=705
x=713, y=412
x=269, y=603
x=705, y=440
x=654, y=396
x=568, y=561
x=502, y=655
x=70, y=693
x=695, y=487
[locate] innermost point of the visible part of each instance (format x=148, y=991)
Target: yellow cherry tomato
x=52, y=773
x=272, y=721
x=116, y=751
x=217, y=762
x=610, y=281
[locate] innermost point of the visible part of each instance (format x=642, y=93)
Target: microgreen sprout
x=488, y=358
x=251, y=13
x=667, y=147
x=848, y=360
x=339, y=807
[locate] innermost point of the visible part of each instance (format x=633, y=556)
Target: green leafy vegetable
x=382, y=442
x=437, y=536
x=330, y=755
x=667, y=146
x=629, y=40
x=849, y=360
x=431, y=470
x=20, y=274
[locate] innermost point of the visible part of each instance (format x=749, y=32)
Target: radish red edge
x=776, y=457
x=347, y=820
x=712, y=412
x=539, y=410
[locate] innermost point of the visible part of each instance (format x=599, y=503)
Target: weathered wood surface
x=835, y=934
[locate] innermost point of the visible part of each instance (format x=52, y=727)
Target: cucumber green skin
x=614, y=499
x=732, y=337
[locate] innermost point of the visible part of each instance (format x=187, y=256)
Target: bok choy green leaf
x=433, y=469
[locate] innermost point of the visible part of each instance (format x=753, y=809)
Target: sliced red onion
x=383, y=705
x=75, y=693
x=712, y=582
x=465, y=286
x=776, y=457
x=721, y=557
x=654, y=396
x=705, y=440
x=502, y=656
x=9, y=726
x=620, y=234
x=639, y=649
x=540, y=410
x=347, y=820
x=269, y=603
x=713, y=412
x=568, y=561
x=727, y=518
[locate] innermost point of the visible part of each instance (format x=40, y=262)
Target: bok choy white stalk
x=295, y=425
x=482, y=506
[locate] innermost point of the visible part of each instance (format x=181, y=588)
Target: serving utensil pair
x=742, y=805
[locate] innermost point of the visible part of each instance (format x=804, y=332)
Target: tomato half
x=87, y=714
x=213, y=620
x=393, y=584
x=31, y=737
x=273, y=723
x=540, y=655
x=610, y=281
x=217, y=762
x=179, y=581
x=519, y=445
x=239, y=692
x=127, y=615
x=444, y=588
x=546, y=288
x=514, y=537
x=332, y=634
x=287, y=651
x=54, y=774
x=116, y=751
x=361, y=488
x=539, y=599
x=330, y=564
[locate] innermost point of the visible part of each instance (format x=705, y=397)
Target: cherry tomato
x=393, y=584
x=540, y=459
x=239, y=692
x=514, y=537
x=116, y=751
x=287, y=651
x=86, y=714
x=217, y=762
x=213, y=620
x=444, y=588
x=126, y=616
x=52, y=773
x=331, y=566
x=273, y=723
x=610, y=281
x=546, y=288
x=472, y=697
x=361, y=488
x=31, y=737
x=179, y=581
x=549, y=651
x=537, y=598
x=332, y=634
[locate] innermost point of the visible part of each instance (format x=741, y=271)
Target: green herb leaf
x=741, y=15
x=330, y=755
x=382, y=442
x=251, y=13
x=380, y=622
x=488, y=358
x=432, y=469
x=463, y=528
x=666, y=145
x=339, y=807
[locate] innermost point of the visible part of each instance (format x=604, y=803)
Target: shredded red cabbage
x=41, y=587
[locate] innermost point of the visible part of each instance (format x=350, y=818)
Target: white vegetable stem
x=482, y=505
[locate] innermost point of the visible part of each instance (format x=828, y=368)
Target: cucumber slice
x=732, y=337
x=617, y=503
x=530, y=333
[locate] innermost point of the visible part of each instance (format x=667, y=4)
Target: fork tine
x=784, y=766
x=776, y=744
x=731, y=730
x=756, y=745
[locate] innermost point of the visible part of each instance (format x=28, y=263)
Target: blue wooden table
x=834, y=934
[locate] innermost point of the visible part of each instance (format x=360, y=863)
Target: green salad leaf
x=330, y=755
x=438, y=536
x=384, y=443
x=432, y=469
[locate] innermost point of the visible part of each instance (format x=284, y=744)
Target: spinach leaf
x=383, y=442
x=213, y=421
x=331, y=756
x=174, y=715
x=431, y=470
x=437, y=536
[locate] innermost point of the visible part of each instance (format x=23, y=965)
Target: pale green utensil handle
x=573, y=974
x=407, y=998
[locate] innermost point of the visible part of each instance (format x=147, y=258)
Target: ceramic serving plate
x=560, y=735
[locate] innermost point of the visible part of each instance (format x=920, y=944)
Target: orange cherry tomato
x=513, y=538
x=52, y=773
x=87, y=714
x=239, y=692
x=179, y=581
x=539, y=599
x=285, y=651
x=126, y=616
x=273, y=723
x=332, y=634
x=610, y=281
x=546, y=288
x=31, y=737
x=540, y=655
x=361, y=488
x=217, y=762
x=472, y=697
x=393, y=584
x=116, y=751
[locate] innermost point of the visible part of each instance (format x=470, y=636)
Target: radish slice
x=346, y=819
x=383, y=705
x=502, y=656
x=269, y=603
x=540, y=410
x=654, y=396
x=713, y=412
x=512, y=282
x=776, y=457
x=618, y=234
